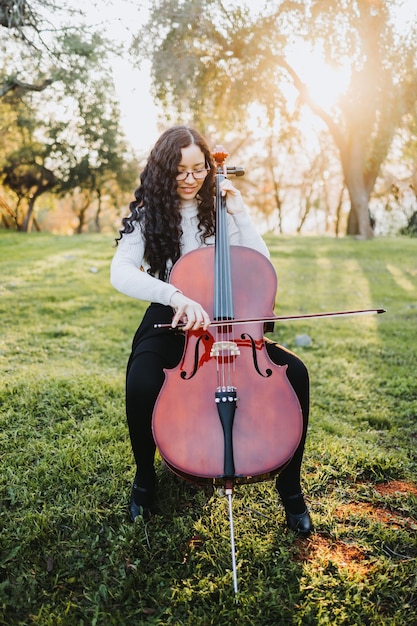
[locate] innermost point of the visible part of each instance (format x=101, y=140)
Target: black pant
x=156, y=349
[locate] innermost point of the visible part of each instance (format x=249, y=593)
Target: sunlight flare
x=325, y=83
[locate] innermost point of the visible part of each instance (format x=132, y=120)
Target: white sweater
x=127, y=276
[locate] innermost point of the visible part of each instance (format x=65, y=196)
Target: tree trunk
x=278, y=202
x=81, y=221
x=353, y=162
x=28, y=221
x=339, y=212
x=304, y=213
x=98, y=212
x=359, y=222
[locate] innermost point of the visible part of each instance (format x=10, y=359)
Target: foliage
x=42, y=41
x=239, y=56
x=65, y=136
x=25, y=168
x=55, y=152
x=70, y=556
x=212, y=72
x=100, y=161
x=411, y=227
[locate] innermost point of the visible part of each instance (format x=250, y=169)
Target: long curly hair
x=157, y=204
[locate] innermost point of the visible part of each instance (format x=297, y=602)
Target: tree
x=382, y=90
x=24, y=162
x=239, y=55
x=39, y=41
x=28, y=177
x=75, y=144
x=60, y=123
x=101, y=156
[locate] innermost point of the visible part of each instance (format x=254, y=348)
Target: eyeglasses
x=196, y=174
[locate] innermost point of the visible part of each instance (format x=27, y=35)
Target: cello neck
x=223, y=292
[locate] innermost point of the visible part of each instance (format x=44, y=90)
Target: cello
x=227, y=414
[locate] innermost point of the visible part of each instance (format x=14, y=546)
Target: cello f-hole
x=268, y=371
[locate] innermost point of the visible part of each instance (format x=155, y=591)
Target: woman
x=173, y=213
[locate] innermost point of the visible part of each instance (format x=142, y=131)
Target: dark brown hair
x=157, y=205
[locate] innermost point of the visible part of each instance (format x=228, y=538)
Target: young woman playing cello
x=173, y=213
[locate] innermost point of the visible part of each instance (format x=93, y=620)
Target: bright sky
x=139, y=112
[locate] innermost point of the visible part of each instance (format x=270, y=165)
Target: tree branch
x=303, y=91
x=12, y=84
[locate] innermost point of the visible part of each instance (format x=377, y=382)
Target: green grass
x=68, y=553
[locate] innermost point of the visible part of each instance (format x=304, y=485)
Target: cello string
x=228, y=297
x=219, y=276
x=226, y=359
x=221, y=268
x=219, y=273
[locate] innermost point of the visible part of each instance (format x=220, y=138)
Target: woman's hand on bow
x=190, y=312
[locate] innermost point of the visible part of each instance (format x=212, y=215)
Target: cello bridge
x=219, y=347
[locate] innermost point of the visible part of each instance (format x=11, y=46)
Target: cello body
x=227, y=412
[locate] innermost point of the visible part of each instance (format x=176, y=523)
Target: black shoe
x=301, y=523
x=298, y=522
x=145, y=497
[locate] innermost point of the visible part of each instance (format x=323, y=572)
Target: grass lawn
x=69, y=554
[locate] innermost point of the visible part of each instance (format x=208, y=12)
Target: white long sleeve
x=128, y=271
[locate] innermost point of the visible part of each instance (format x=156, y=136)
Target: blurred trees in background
x=213, y=61
x=317, y=98
x=59, y=116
